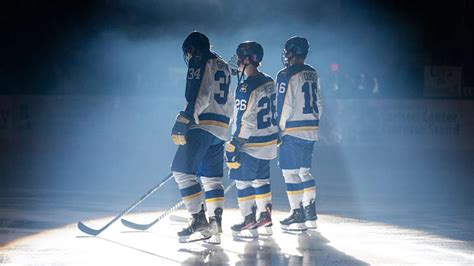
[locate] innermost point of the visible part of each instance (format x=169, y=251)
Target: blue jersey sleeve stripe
x=215, y=117
x=193, y=84
x=241, y=96
x=261, y=139
x=302, y=123
x=281, y=78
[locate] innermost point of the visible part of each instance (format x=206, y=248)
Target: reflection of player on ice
x=200, y=131
x=254, y=139
x=299, y=110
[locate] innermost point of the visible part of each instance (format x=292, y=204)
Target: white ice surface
x=338, y=241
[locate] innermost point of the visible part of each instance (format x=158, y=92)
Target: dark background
x=89, y=91
x=50, y=45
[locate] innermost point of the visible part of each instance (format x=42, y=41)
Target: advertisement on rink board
x=399, y=123
x=387, y=123
x=443, y=81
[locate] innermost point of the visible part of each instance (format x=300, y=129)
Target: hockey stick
x=90, y=231
x=178, y=219
x=144, y=227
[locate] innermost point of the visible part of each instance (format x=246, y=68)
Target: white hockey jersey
x=255, y=116
x=299, y=104
x=209, y=100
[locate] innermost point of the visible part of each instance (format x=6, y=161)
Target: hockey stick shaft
x=95, y=232
x=143, y=227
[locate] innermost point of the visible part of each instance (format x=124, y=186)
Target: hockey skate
x=264, y=223
x=197, y=230
x=247, y=228
x=295, y=222
x=215, y=227
x=310, y=215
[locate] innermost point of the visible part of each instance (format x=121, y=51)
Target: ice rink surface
x=49, y=236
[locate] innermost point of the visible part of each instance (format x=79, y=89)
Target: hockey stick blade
x=95, y=232
x=136, y=226
x=86, y=229
x=143, y=227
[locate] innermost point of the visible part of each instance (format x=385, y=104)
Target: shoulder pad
x=282, y=71
x=244, y=88
x=196, y=60
x=221, y=64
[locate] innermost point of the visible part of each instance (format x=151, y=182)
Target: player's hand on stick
x=232, y=153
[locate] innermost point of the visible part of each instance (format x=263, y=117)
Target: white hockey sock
x=214, y=194
x=191, y=191
x=294, y=187
x=309, y=185
x=263, y=194
x=246, y=196
x=308, y=196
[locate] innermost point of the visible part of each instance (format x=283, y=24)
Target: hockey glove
x=178, y=133
x=232, y=153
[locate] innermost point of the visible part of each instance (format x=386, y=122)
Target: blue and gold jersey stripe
x=262, y=141
x=210, y=119
x=302, y=123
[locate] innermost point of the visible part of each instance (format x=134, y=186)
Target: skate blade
x=311, y=225
x=294, y=227
x=265, y=231
x=295, y=232
x=214, y=239
x=248, y=233
x=196, y=236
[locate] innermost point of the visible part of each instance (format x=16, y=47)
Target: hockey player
x=299, y=110
x=200, y=131
x=254, y=140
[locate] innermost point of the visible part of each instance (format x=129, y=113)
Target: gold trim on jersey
x=261, y=144
x=213, y=123
x=305, y=128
